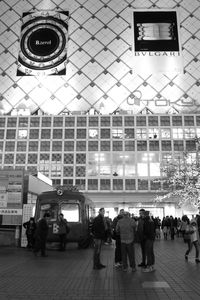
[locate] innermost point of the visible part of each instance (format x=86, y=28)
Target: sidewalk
x=69, y=275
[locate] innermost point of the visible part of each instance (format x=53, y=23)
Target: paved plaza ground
x=69, y=275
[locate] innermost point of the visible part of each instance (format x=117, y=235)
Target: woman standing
x=191, y=237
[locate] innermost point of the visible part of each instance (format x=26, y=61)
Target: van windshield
x=71, y=212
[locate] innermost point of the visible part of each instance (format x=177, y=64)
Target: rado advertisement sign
x=156, y=42
x=43, y=43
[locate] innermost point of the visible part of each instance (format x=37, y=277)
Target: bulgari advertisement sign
x=156, y=42
x=43, y=43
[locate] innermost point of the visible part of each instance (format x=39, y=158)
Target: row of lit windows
x=114, y=184
x=103, y=133
x=67, y=146
x=102, y=164
x=102, y=121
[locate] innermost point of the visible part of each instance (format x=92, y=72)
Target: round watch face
x=43, y=44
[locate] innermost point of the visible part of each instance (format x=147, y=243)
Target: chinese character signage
x=156, y=42
x=43, y=43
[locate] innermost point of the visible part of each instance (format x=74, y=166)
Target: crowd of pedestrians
x=126, y=230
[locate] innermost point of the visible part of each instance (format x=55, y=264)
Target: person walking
x=41, y=235
x=140, y=236
x=116, y=237
x=99, y=234
x=149, y=237
x=192, y=240
x=126, y=227
x=63, y=230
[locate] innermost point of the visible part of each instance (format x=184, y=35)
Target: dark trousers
x=143, y=251
x=30, y=240
x=97, y=252
x=63, y=240
x=149, y=252
x=190, y=246
x=118, y=253
x=128, y=251
x=40, y=245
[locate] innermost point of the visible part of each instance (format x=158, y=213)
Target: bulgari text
x=157, y=53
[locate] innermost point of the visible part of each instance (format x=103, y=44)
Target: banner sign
x=156, y=42
x=43, y=43
x=11, y=211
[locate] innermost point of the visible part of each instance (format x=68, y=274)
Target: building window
x=68, y=171
x=178, y=146
x=69, y=134
x=129, y=121
x=129, y=133
x=165, y=133
x=117, y=146
x=35, y=122
x=57, y=133
x=22, y=133
x=117, y=133
x=93, y=145
x=130, y=184
x=69, y=146
x=189, y=133
x=177, y=121
x=92, y=184
x=68, y=158
x=129, y=145
x=10, y=146
x=166, y=145
x=153, y=120
x=141, y=145
x=105, y=121
x=45, y=134
x=141, y=133
x=69, y=121
x=118, y=184
x=21, y=146
x=32, y=158
x=141, y=121
x=142, y=184
x=104, y=184
x=81, y=122
x=165, y=121
x=105, y=133
x=81, y=146
x=105, y=145
x=177, y=133
x=81, y=133
x=81, y=158
x=93, y=133
x=153, y=133
x=34, y=134
x=10, y=134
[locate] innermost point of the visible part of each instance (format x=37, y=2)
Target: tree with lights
x=181, y=179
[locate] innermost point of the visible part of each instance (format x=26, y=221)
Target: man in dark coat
x=149, y=237
x=41, y=235
x=99, y=234
x=30, y=227
x=140, y=236
x=116, y=236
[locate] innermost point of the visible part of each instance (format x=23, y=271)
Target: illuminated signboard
x=43, y=43
x=156, y=42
